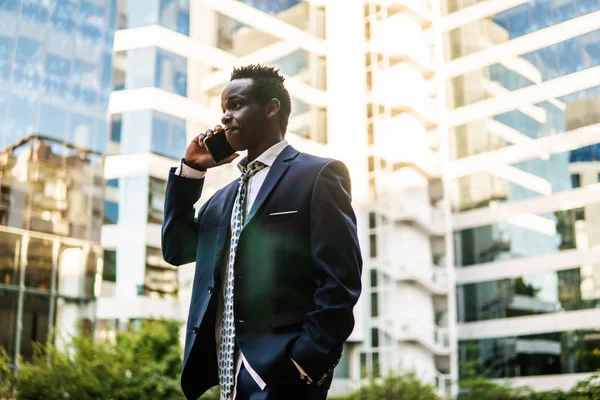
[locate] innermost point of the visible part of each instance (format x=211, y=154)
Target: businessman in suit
x=278, y=263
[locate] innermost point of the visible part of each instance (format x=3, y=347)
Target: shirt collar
x=267, y=157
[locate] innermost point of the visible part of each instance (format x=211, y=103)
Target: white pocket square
x=283, y=213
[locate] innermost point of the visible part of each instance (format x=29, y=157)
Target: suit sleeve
x=336, y=255
x=180, y=229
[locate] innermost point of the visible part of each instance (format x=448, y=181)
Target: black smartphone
x=218, y=146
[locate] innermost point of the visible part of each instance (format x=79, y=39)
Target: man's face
x=243, y=117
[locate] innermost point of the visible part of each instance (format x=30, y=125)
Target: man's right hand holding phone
x=197, y=155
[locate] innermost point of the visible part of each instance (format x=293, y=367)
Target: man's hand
x=198, y=157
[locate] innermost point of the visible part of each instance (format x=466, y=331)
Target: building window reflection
x=542, y=293
x=161, y=280
x=156, y=200
x=531, y=355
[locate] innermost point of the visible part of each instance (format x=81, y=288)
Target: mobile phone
x=218, y=146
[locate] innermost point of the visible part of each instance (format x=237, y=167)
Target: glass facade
x=56, y=70
x=50, y=218
x=529, y=233
x=544, y=354
x=541, y=293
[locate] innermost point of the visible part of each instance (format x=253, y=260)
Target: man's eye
x=236, y=106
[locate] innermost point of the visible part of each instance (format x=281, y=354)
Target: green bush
x=142, y=364
x=393, y=387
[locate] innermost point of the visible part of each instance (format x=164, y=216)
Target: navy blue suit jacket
x=297, y=275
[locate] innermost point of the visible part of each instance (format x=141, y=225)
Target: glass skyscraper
x=55, y=83
x=523, y=122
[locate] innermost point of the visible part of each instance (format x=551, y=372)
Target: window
x=111, y=212
x=81, y=131
x=374, y=305
x=171, y=72
x=374, y=338
x=6, y=52
x=115, y=129
x=91, y=21
x=373, y=278
x=576, y=180
x=109, y=272
x=168, y=136
x=53, y=122
x=63, y=15
x=373, y=245
x=35, y=12
x=156, y=201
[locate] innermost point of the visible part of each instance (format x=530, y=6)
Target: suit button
x=195, y=329
x=210, y=289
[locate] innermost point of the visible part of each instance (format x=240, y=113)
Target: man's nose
x=226, y=118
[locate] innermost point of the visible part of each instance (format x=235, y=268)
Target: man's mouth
x=230, y=130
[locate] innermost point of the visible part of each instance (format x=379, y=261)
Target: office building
x=55, y=82
x=522, y=88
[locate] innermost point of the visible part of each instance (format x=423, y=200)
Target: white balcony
x=414, y=52
x=429, y=218
x=435, y=339
x=419, y=10
x=434, y=279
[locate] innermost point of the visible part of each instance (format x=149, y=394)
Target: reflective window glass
x=156, y=201
x=36, y=313
x=53, y=122
x=81, y=130
x=11, y=6
x=168, y=136
x=9, y=300
x=6, y=54
x=35, y=11
x=10, y=245
x=171, y=72
x=91, y=20
x=542, y=354
x=64, y=14
x=38, y=272
x=21, y=118
x=111, y=212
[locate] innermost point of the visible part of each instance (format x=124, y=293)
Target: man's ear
x=273, y=107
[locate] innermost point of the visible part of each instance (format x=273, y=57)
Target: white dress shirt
x=254, y=185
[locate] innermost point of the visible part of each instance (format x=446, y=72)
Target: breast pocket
x=281, y=217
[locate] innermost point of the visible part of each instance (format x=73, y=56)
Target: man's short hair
x=267, y=85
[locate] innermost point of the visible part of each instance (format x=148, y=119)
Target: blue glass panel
x=183, y=22
x=171, y=72
x=168, y=136
x=293, y=63
x=53, y=122
x=111, y=212
x=586, y=6
x=3, y=107
x=575, y=181
x=115, y=130
x=63, y=15
x=91, y=21
x=7, y=44
x=10, y=5
x=81, y=129
x=35, y=11
x=21, y=118
x=540, y=15
x=563, y=12
x=112, y=183
x=101, y=137
x=28, y=63
x=56, y=65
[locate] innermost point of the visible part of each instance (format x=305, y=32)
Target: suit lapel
x=225, y=222
x=276, y=172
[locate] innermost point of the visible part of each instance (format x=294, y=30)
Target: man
x=277, y=257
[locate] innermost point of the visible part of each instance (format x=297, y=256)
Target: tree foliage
x=141, y=364
x=392, y=387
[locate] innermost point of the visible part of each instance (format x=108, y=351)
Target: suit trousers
x=247, y=389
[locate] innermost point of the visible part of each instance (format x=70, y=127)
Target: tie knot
x=251, y=169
